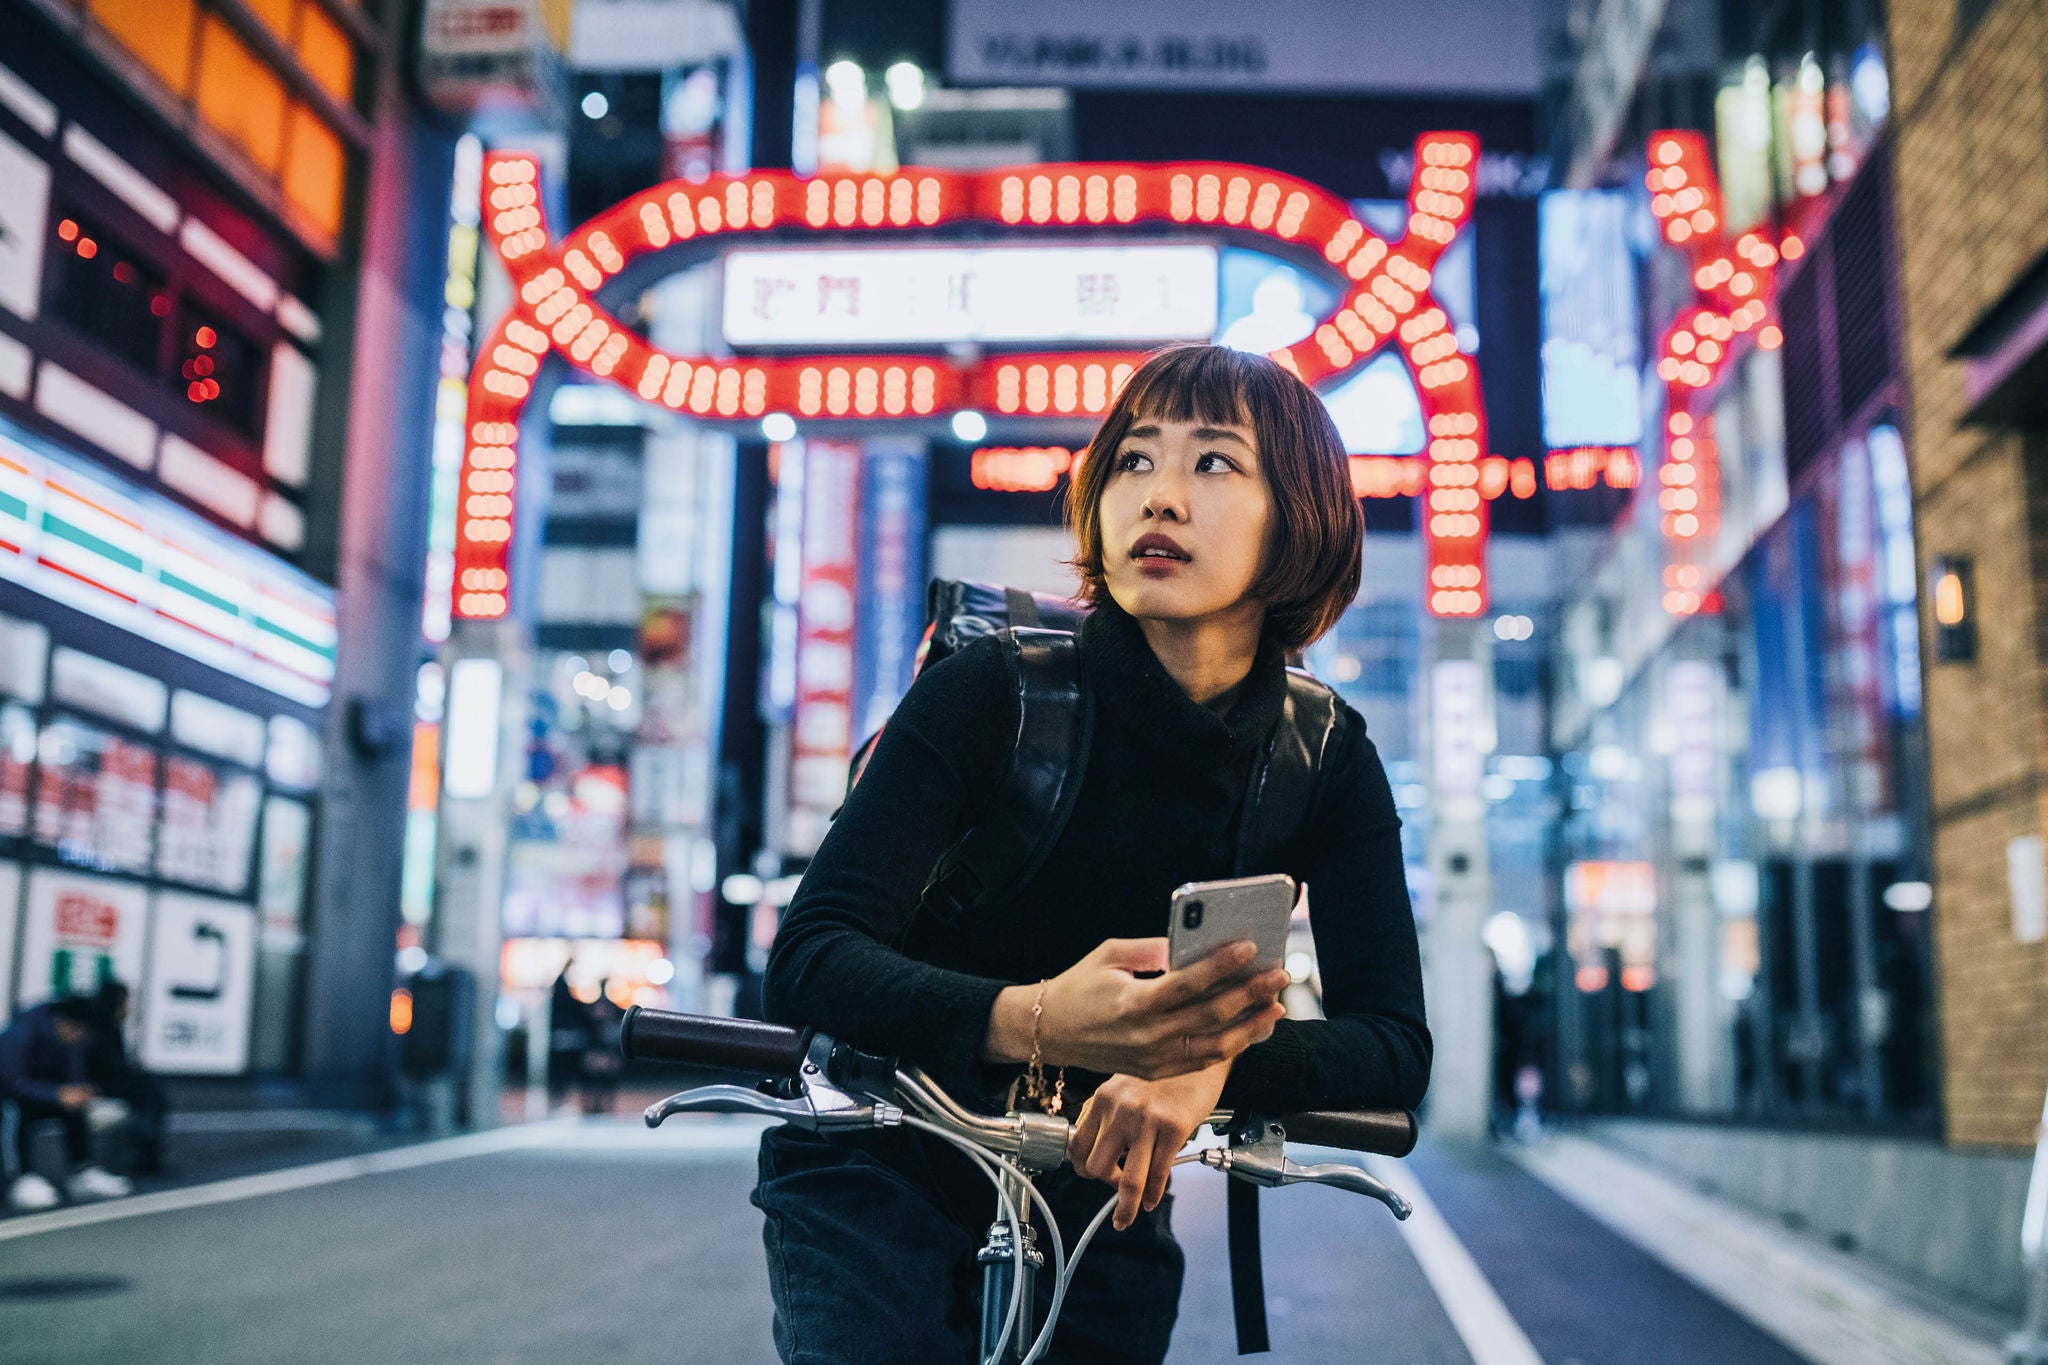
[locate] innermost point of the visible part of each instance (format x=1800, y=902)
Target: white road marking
x=291, y=1178
x=1812, y=1299
x=1489, y=1331
x=623, y=1136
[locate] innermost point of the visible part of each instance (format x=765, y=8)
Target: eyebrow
x=1150, y=430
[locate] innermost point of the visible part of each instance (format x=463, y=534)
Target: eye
x=1210, y=459
x=1132, y=460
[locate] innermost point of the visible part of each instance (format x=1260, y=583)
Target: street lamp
x=906, y=85
x=847, y=82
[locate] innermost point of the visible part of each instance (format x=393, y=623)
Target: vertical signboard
x=10, y=905
x=24, y=211
x=821, y=720
x=891, y=579
x=79, y=931
x=202, y=959
x=1458, y=730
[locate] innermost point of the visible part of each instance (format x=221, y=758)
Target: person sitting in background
x=119, y=1076
x=43, y=1076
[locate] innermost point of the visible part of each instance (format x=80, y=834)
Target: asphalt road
x=621, y=1246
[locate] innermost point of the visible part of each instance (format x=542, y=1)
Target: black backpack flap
x=1036, y=792
x=961, y=611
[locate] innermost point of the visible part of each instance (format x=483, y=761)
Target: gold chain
x=1035, y=1088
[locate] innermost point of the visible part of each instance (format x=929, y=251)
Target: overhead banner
x=202, y=960
x=893, y=296
x=79, y=930
x=1437, y=46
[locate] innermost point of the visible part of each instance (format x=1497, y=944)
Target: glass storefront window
x=1766, y=765
x=104, y=289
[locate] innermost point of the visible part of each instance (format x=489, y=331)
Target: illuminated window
x=324, y=49
x=105, y=290
x=239, y=95
x=158, y=32
x=276, y=16
x=315, y=170
x=219, y=368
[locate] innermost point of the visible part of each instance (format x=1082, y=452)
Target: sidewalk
x=1833, y=1308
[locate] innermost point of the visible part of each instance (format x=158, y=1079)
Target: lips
x=1154, y=546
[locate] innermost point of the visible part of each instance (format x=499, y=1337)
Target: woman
x=1216, y=530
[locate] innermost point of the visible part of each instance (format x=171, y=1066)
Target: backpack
x=1036, y=792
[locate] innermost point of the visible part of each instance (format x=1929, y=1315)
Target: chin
x=1155, y=601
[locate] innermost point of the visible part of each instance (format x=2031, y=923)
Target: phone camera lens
x=1191, y=915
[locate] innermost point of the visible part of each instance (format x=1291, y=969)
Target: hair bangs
x=1190, y=384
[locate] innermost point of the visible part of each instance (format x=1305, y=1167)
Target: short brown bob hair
x=1319, y=542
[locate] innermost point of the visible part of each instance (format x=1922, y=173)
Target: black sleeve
x=834, y=964
x=1373, y=1049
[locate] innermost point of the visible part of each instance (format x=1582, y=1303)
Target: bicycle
x=817, y=1083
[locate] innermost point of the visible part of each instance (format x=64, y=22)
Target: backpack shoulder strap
x=1283, y=786
x=1282, y=793
x=1036, y=792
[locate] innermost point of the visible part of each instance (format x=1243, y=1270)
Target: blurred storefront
x=1763, y=928
x=1738, y=714
x=178, y=179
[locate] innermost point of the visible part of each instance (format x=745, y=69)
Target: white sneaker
x=94, y=1182
x=32, y=1192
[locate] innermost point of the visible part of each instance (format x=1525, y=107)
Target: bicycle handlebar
x=747, y=1045
x=701, y=1040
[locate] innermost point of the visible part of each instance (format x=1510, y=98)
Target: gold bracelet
x=1034, y=1070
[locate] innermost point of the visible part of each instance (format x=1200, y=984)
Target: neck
x=1210, y=655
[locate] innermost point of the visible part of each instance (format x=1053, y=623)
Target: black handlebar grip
x=1389, y=1132
x=700, y=1040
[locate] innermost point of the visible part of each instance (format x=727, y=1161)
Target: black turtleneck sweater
x=1157, y=807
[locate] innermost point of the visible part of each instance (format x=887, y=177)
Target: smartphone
x=1207, y=915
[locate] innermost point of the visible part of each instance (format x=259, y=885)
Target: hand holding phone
x=1207, y=915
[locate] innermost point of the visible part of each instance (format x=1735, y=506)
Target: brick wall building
x=1970, y=115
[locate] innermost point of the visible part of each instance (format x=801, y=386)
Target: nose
x=1166, y=500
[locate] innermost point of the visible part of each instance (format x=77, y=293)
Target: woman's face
x=1186, y=516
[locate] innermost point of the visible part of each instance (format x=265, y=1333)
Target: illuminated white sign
x=1002, y=294
x=475, y=691
x=202, y=970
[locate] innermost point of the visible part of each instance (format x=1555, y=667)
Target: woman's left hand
x=1141, y=1124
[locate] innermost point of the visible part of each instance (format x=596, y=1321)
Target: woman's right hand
x=1101, y=1016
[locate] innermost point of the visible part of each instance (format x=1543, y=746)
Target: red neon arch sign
x=1387, y=303
x=1737, y=284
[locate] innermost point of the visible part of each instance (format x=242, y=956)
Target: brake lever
x=818, y=1106
x=1347, y=1177
x=1263, y=1160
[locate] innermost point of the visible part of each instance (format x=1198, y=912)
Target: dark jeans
x=18, y=1120
x=871, y=1256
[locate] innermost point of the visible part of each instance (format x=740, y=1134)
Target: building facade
x=1972, y=147
x=180, y=307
